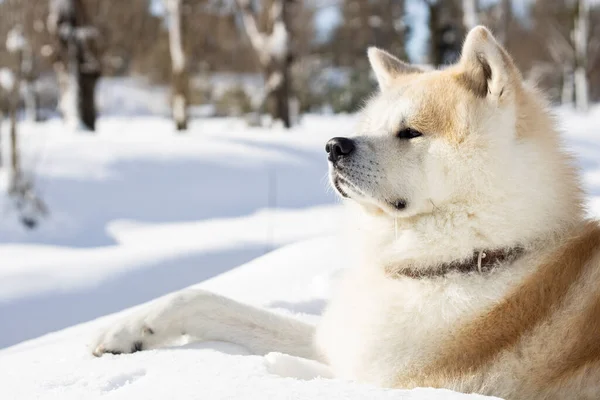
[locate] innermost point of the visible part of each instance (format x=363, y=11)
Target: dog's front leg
x=207, y=316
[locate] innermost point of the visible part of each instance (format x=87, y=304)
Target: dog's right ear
x=487, y=69
x=387, y=67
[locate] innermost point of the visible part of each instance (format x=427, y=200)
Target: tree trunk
x=14, y=148
x=87, y=102
x=29, y=93
x=180, y=81
x=394, y=28
x=470, y=19
x=76, y=63
x=580, y=38
x=436, y=58
x=274, y=53
x=1, y=141
x=446, y=31
x=279, y=89
x=567, y=91
x=71, y=96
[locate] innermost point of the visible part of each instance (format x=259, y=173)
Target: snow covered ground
x=138, y=211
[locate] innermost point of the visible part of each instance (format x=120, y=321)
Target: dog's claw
x=137, y=346
x=98, y=351
x=101, y=350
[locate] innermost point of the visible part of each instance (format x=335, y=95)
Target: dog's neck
x=451, y=240
x=481, y=261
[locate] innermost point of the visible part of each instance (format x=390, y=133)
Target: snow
x=137, y=201
x=69, y=99
x=138, y=211
x=278, y=41
x=7, y=79
x=132, y=97
x=582, y=134
x=60, y=365
x=15, y=41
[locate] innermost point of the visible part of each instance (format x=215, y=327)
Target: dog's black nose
x=339, y=147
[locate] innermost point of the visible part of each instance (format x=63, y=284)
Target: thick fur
x=488, y=172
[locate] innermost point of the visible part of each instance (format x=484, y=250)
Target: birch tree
x=15, y=44
x=7, y=81
x=76, y=62
x=20, y=188
x=580, y=47
x=568, y=42
x=273, y=49
x=180, y=81
x=29, y=77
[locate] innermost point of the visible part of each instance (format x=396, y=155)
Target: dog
x=474, y=269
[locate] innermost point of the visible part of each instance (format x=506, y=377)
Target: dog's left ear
x=487, y=69
x=387, y=67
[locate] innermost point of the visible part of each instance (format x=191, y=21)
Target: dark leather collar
x=481, y=261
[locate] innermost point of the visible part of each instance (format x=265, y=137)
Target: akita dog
x=476, y=271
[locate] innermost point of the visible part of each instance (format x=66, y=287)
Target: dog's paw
x=127, y=336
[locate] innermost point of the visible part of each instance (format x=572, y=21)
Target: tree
x=20, y=189
x=446, y=31
x=15, y=44
x=273, y=50
x=29, y=18
x=180, y=85
x=76, y=62
x=563, y=26
x=580, y=38
x=368, y=23
x=7, y=81
x=379, y=23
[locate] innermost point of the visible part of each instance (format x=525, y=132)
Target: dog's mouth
x=337, y=184
x=347, y=189
x=343, y=185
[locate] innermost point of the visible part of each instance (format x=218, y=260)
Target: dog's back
x=540, y=341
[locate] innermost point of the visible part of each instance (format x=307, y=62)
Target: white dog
x=477, y=270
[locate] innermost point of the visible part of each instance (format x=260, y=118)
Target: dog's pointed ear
x=386, y=67
x=487, y=69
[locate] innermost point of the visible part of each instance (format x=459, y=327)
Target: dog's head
x=472, y=138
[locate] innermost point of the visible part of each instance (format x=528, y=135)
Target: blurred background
x=282, y=58
x=146, y=145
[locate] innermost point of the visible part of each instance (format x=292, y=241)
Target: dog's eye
x=408, y=133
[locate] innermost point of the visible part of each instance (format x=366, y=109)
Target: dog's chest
x=377, y=328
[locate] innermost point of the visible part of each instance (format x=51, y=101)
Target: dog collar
x=481, y=261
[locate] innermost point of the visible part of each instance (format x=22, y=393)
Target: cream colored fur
x=488, y=172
